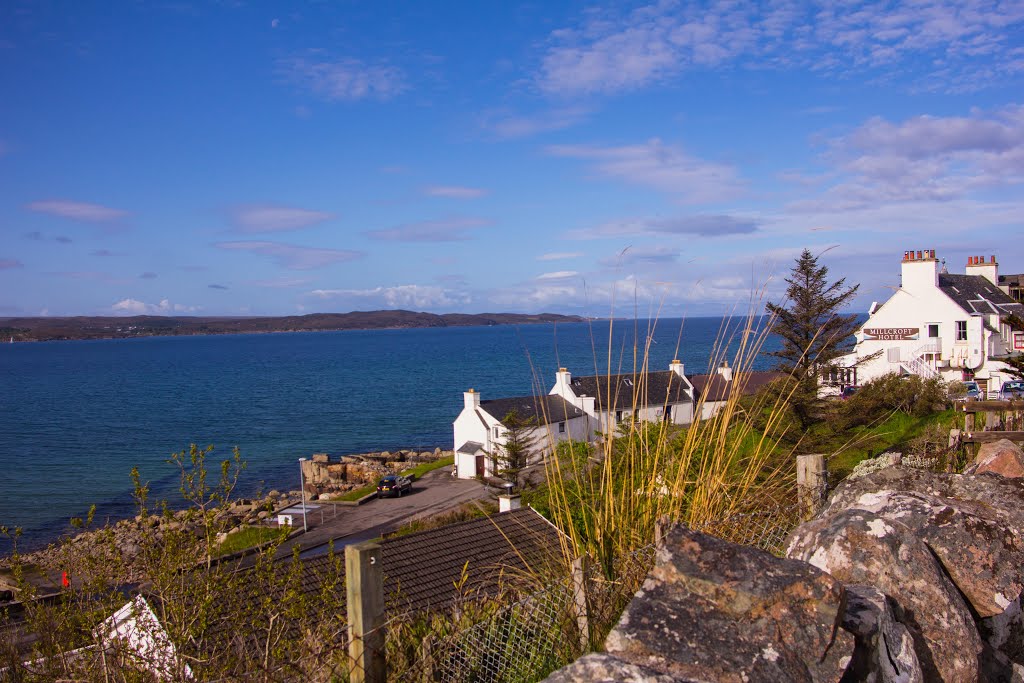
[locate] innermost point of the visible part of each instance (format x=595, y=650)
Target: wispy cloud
x=129, y=306
x=507, y=125
x=148, y=276
x=281, y=282
x=642, y=255
x=102, y=253
x=558, y=275
x=705, y=225
x=446, y=230
x=420, y=297
x=663, y=167
x=79, y=211
x=963, y=45
x=559, y=256
x=10, y=264
x=269, y=218
x=923, y=159
x=345, y=78
x=216, y=286
x=454, y=191
x=292, y=256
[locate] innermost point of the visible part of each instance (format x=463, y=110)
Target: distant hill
x=91, y=327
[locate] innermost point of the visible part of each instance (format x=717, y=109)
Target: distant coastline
x=26, y=329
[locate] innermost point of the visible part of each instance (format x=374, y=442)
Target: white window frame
x=961, y=330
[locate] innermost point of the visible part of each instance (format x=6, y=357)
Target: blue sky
x=246, y=158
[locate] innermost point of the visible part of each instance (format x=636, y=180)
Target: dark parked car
x=847, y=392
x=394, y=485
x=1011, y=390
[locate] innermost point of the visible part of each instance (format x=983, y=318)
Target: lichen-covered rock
x=718, y=611
x=1002, y=457
x=861, y=547
x=884, y=650
x=602, y=668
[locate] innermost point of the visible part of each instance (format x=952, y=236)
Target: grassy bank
x=416, y=472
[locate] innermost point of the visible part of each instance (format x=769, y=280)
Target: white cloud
x=959, y=45
x=704, y=225
x=292, y=256
x=559, y=256
x=663, y=167
x=79, y=211
x=269, y=218
x=512, y=126
x=131, y=306
x=558, y=275
x=344, y=79
x=445, y=230
x=454, y=192
x=420, y=297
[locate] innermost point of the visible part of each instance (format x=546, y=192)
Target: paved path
x=436, y=492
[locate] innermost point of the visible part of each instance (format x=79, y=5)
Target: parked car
x=973, y=392
x=847, y=392
x=394, y=485
x=1011, y=390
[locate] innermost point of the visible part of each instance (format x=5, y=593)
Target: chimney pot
x=919, y=255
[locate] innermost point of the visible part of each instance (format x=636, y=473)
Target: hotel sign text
x=892, y=333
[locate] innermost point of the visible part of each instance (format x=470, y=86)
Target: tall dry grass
x=721, y=468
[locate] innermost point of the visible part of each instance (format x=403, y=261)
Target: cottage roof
x=470, y=448
x=618, y=391
x=975, y=294
x=714, y=387
x=541, y=409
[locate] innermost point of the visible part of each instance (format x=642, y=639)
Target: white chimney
x=472, y=399
x=920, y=270
x=725, y=371
x=562, y=380
x=509, y=502
x=676, y=366
x=587, y=405
x=976, y=265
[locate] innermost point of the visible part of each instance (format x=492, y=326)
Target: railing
x=915, y=365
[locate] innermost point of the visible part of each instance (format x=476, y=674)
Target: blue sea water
x=75, y=417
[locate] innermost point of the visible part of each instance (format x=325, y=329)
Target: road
x=436, y=492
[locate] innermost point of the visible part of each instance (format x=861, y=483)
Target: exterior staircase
x=915, y=365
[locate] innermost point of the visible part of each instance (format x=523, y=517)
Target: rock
x=262, y=514
x=983, y=554
x=1005, y=632
x=718, y=611
x=861, y=547
x=437, y=452
x=866, y=467
x=602, y=668
x=884, y=650
x=1001, y=457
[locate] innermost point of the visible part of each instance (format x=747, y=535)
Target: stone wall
x=323, y=475
x=906, y=576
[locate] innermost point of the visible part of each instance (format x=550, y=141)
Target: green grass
x=250, y=537
x=356, y=494
x=849, y=448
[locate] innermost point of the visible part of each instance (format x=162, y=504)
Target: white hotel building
x=938, y=324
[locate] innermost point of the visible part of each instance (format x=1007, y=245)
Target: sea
x=77, y=416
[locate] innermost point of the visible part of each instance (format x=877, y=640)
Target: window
x=961, y=330
x=496, y=434
x=561, y=428
x=618, y=416
x=933, y=330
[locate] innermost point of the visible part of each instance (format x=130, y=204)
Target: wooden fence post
x=579, y=590
x=810, y=482
x=661, y=527
x=364, y=584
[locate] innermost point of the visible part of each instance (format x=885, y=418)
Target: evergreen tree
x=813, y=333
x=512, y=457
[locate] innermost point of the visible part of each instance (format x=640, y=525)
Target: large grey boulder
x=861, y=547
x=980, y=545
x=717, y=611
x=884, y=651
x=602, y=668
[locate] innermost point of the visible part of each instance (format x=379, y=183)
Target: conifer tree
x=813, y=332
x=512, y=457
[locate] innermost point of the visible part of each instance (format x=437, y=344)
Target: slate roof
x=543, y=409
x=470, y=447
x=975, y=294
x=422, y=569
x=713, y=387
x=617, y=391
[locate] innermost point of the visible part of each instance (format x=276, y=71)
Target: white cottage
x=610, y=400
x=480, y=432
x=937, y=324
